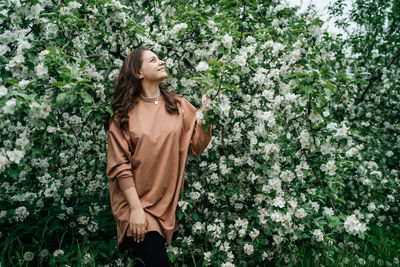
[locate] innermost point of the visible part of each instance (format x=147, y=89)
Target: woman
x=150, y=135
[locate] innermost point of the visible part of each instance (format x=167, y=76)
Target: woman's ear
x=139, y=75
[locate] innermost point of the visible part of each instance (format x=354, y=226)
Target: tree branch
x=373, y=79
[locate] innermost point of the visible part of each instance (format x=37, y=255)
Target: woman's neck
x=150, y=89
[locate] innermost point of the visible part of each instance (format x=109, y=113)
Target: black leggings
x=151, y=250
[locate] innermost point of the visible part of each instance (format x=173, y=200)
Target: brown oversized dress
x=160, y=142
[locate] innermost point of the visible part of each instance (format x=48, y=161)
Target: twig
x=221, y=128
x=372, y=80
x=253, y=69
x=95, y=160
x=315, y=174
x=242, y=27
x=107, y=73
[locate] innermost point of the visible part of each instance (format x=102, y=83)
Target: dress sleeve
x=119, y=157
x=199, y=138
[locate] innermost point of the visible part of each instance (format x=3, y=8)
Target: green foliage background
x=305, y=146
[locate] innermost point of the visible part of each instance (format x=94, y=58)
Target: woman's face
x=152, y=68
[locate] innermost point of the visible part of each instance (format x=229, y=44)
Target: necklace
x=145, y=98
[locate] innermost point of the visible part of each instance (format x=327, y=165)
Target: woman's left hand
x=204, y=101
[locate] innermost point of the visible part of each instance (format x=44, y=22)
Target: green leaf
x=315, y=74
x=71, y=98
x=329, y=86
x=222, y=197
x=12, y=81
x=300, y=74
x=70, y=16
x=98, y=116
x=253, y=3
x=37, y=151
x=60, y=99
x=348, y=165
x=87, y=98
x=221, y=49
x=308, y=89
x=341, y=200
x=327, y=92
x=13, y=173
x=109, y=110
x=179, y=214
x=340, y=183
x=81, y=80
x=361, y=235
x=58, y=84
x=334, y=221
x=360, y=81
x=341, y=76
x=67, y=140
x=24, y=96
x=334, y=189
x=86, y=109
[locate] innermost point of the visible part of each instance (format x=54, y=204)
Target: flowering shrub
x=284, y=166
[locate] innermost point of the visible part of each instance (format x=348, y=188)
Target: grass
x=380, y=248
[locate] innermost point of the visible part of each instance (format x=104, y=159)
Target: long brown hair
x=128, y=88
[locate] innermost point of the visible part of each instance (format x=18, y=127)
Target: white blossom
x=319, y=236
x=353, y=226
x=178, y=27
x=83, y=220
x=3, y=90
x=28, y=256
x=4, y=49
x=15, y=155
x=300, y=213
x=9, y=107
x=371, y=206
x=194, y=195
x=279, y=202
x=329, y=168
x=328, y=212
x=351, y=152
x=207, y=256
x=44, y=253
x=58, y=252
x=39, y=110
x=3, y=162
x=240, y=60
x=254, y=233
x=74, y=5
x=20, y=214
x=202, y=66
x=248, y=249
x=304, y=139
x=200, y=117
x=341, y=132
x=41, y=71
x=227, y=40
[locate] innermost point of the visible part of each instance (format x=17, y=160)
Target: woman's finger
x=134, y=233
x=142, y=235
x=138, y=234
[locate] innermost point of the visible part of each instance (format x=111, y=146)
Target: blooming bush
x=285, y=164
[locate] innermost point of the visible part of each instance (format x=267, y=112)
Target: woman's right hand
x=138, y=224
